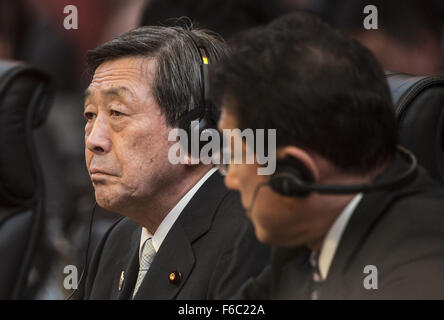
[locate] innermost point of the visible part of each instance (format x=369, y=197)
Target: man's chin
x=260, y=233
x=107, y=205
x=110, y=203
x=269, y=236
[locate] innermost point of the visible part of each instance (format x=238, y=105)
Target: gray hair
x=177, y=85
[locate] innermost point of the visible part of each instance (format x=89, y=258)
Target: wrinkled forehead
x=122, y=77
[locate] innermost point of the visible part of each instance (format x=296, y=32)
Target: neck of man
x=329, y=216
x=331, y=206
x=152, y=211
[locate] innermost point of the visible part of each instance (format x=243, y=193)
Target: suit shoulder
x=412, y=228
x=424, y=209
x=123, y=224
x=121, y=229
x=230, y=207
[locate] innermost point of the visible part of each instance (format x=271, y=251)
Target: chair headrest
x=419, y=105
x=25, y=97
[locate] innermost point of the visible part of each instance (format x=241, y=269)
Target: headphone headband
x=204, y=62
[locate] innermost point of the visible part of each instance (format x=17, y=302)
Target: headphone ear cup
x=290, y=178
x=202, y=126
x=187, y=123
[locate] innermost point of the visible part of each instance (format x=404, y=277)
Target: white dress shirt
x=172, y=216
x=334, y=234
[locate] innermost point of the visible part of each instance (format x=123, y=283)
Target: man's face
x=126, y=135
x=279, y=220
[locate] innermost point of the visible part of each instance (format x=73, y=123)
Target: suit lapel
x=292, y=278
x=176, y=252
x=367, y=213
x=129, y=265
x=197, y=216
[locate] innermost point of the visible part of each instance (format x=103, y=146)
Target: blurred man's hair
x=226, y=17
x=321, y=90
x=177, y=85
x=404, y=20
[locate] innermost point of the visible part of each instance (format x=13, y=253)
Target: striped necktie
x=316, y=276
x=146, y=258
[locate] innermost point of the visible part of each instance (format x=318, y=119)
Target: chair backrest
x=419, y=104
x=25, y=97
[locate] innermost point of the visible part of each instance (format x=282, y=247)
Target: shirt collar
x=172, y=216
x=334, y=235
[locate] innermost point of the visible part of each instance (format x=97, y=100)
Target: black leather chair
x=419, y=104
x=25, y=97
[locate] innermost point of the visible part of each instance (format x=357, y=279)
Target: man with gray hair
x=181, y=223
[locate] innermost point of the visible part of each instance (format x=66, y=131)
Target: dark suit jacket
x=400, y=232
x=199, y=245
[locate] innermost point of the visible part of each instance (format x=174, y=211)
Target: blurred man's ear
x=302, y=156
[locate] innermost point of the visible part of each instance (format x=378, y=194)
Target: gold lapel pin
x=175, y=277
x=122, y=277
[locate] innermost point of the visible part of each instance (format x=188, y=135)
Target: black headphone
x=201, y=113
x=293, y=179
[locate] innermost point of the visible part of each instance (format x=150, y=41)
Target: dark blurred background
x=409, y=39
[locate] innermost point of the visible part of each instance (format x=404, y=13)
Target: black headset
x=292, y=178
x=200, y=113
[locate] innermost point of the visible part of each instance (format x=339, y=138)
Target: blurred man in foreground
x=351, y=214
